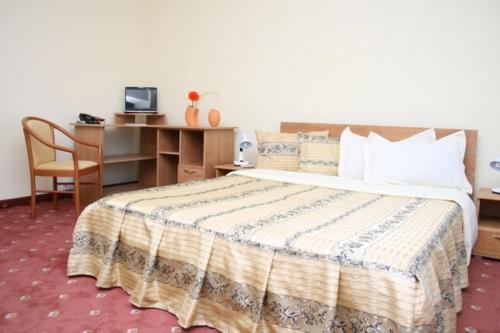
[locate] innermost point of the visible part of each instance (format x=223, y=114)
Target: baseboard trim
x=44, y=197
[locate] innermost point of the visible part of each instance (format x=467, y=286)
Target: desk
x=167, y=154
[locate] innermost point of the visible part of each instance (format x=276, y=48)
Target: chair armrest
x=100, y=158
x=76, y=139
x=52, y=145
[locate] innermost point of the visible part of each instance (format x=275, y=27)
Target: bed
x=279, y=251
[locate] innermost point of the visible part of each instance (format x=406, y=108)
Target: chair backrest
x=35, y=128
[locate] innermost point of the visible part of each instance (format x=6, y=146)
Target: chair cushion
x=66, y=165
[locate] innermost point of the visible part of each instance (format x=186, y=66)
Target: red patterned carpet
x=36, y=295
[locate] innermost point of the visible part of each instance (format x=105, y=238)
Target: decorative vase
x=214, y=117
x=192, y=116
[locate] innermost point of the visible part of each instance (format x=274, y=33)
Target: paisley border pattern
x=278, y=148
x=318, y=163
x=281, y=310
x=245, y=230
x=315, y=138
x=291, y=240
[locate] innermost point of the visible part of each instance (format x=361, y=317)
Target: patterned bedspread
x=244, y=254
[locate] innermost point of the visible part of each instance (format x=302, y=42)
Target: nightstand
x=488, y=211
x=224, y=169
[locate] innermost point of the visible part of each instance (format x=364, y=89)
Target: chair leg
x=99, y=183
x=33, y=197
x=76, y=196
x=54, y=195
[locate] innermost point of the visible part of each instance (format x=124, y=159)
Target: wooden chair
x=40, y=143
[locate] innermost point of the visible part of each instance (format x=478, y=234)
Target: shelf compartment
x=167, y=169
x=490, y=222
x=147, y=172
x=168, y=140
x=123, y=158
x=191, y=146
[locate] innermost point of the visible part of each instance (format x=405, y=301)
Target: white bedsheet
x=460, y=197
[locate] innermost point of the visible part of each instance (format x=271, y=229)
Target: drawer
x=189, y=172
x=488, y=242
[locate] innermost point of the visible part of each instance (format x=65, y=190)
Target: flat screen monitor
x=140, y=99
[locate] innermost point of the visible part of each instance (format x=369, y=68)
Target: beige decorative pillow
x=318, y=154
x=279, y=150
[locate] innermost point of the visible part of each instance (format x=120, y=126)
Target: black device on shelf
x=89, y=119
x=140, y=99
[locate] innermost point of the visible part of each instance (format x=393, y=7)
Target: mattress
x=269, y=251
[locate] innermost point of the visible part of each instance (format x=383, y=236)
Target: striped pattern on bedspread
x=251, y=255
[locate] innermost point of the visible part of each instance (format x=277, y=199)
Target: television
x=140, y=99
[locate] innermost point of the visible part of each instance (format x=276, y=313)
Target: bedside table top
x=486, y=194
x=231, y=166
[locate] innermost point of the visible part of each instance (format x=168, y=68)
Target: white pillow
x=352, y=152
x=432, y=163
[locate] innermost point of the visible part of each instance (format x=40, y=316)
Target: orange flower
x=193, y=97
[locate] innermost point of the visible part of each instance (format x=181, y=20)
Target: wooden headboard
x=392, y=133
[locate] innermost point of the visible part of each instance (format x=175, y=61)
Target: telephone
x=88, y=119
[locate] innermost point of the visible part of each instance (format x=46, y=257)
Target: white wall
x=409, y=63
x=59, y=58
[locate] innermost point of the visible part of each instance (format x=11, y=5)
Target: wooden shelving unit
x=186, y=154
x=167, y=154
x=139, y=119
